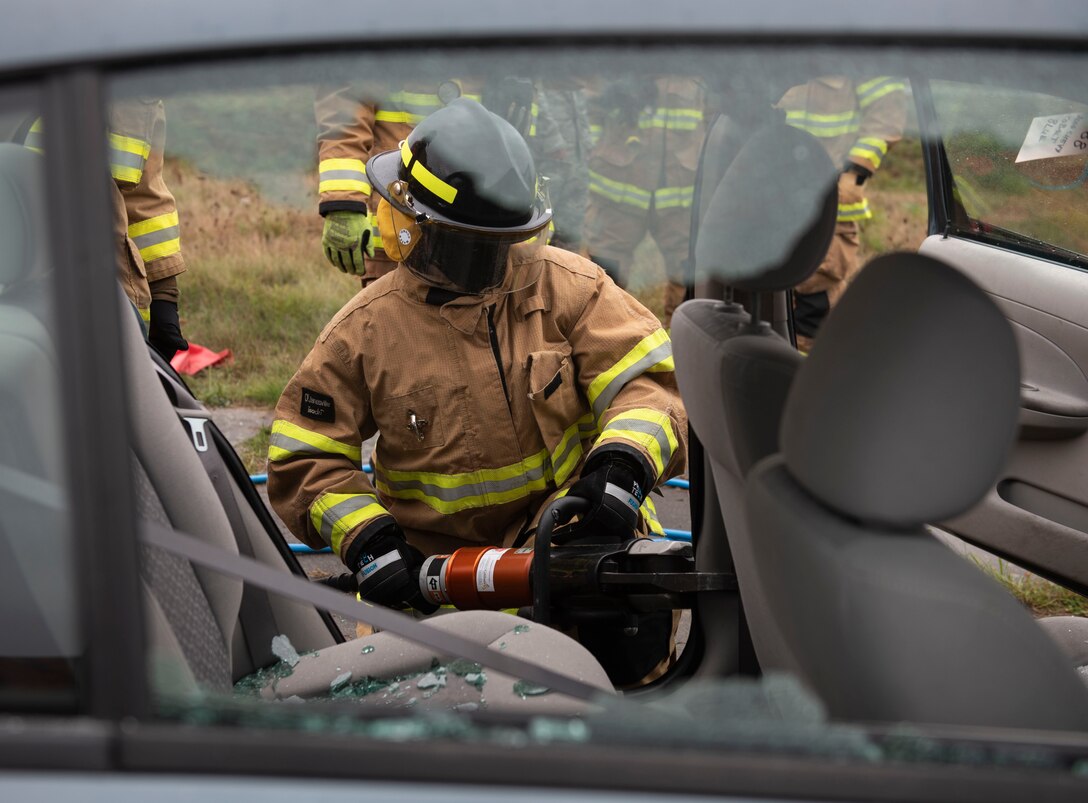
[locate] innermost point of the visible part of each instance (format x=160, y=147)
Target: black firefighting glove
x=615, y=484
x=512, y=99
x=861, y=174
x=164, y=330
x=387, y=568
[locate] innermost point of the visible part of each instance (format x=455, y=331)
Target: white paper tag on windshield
x=1055, y=135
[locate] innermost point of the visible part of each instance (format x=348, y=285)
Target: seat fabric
x=884, y=621
x=766, y=228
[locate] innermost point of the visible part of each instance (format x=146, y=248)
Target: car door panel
x=1037, y=514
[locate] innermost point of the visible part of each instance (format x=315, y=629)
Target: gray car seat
x=903, y=413
x=199, y=633
x=767, y=227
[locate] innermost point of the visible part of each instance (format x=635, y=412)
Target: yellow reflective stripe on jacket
x=534, y=113
x=343, y=175
x=34, y=137
x=452, y=493
x=856, y=211
x=674, y=197
x=157, y=237
x=566, y=455
x=619, y=192
x=128, y=156
x=674, y=119
x=145, y=313
x=872, y=149
x=824, y=125
x=407, y=118
x=649, y=429
x=425, y=177
x=336, y=515
x=653, y=353
x=872, y=91
x=290, y=440
x=407, y=107
x=649, y=515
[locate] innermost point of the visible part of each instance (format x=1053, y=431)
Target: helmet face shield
x=459, y=192
x=464, y=262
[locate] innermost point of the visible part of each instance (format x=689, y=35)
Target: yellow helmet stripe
x=425, y=177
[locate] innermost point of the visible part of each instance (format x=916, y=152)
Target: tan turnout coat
x=458, y=462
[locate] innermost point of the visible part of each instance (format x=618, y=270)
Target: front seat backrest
x=904, y=413
x=767, y=228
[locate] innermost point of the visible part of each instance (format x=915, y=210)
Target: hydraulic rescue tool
x=573, y=581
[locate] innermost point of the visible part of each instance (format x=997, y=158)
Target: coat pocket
x=414, y=421
x=557, y=408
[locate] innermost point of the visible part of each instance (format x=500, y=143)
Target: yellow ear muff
x=399, y=232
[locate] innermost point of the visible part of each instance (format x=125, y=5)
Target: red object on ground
x=197, y=358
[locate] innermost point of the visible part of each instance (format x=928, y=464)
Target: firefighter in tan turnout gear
x=856, y=122
x=498, y=372
x=642, y=175
x=146, y=230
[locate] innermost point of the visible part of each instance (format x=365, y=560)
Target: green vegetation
x=245, y=133
x=257, y=284
x=897, y=195
x=1040, y=596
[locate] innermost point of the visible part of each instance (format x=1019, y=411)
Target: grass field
x=1041, y=597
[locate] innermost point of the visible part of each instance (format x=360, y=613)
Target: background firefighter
x=499, y=373
x=642, y=174
x=856, y=122
x=146, y=230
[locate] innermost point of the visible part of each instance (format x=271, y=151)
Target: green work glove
x=346, y=238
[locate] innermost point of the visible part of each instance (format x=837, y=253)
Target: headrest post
x=755, y=323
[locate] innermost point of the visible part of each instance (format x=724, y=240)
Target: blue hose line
x=258, y=479
x=676, y=482
x=302, y=549
x=678, y=535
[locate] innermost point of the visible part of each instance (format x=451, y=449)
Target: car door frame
x=1020, y=519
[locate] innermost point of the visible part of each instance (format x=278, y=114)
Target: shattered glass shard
x=431, y=680
x=284, y=650
x=524, y=688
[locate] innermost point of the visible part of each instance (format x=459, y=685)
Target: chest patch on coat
x=318, y=406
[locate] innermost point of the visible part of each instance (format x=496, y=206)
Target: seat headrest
x=22, y=214
x=770, y=221
x=905, y=411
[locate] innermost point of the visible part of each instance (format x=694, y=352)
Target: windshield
x=450, y=400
